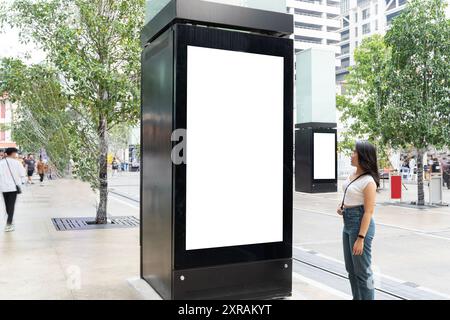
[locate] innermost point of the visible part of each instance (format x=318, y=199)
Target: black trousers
x=10, y=203
x=41, y=175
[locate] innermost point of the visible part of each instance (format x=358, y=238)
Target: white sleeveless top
x=355, y=193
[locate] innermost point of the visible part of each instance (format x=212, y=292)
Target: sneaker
x=9, y=228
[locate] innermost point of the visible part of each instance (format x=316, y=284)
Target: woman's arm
x=370, y=193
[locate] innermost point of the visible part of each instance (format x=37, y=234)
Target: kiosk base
x=254, y=280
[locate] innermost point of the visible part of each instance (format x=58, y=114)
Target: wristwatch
x=361, y=236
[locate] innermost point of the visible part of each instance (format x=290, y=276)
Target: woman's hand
x=358, y=247
x=340, y=211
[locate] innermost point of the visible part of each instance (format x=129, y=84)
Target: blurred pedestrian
x=42, y=169
x=115, y=166
x=445, y=167
x=30, y=164
x=12, y=176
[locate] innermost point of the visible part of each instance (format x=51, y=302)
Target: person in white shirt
x=357, y=209
x=12, y=176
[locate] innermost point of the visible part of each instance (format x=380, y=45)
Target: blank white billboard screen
x=324, y=156
x=234, y=150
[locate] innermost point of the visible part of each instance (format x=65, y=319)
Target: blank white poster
x=234, y=148
x=324, y=156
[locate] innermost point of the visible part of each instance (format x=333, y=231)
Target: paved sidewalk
x=38, y=262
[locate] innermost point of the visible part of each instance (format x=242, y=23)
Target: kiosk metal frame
x=251, y=271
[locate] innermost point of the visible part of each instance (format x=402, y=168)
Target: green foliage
x=94, y=47
x=419, y=104
x=40, y=119
x=363, y=105
x=398, y=92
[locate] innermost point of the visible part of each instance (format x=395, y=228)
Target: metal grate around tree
x=88, y=223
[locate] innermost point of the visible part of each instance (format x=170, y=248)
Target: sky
x=10, y=45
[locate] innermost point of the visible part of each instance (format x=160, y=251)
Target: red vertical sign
x=396, y=187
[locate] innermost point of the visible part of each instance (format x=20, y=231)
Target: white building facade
x=317, y=24
x=6, y=120
x=359, y=19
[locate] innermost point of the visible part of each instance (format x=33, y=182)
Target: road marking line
x=380, y=275
x=378, y=223
x=124, y=202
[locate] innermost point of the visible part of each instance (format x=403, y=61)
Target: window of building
x=356, y=44
x=356, y=16
x=376, y=25
x=308, y=13
x=332, y=3
x=366, y=28
x=345, y=62
x=356, y=31
x=345, y=49
x=376, y=9
x=332, y=29
x=345, y=5
x=345, y=22
x=345, y=35
x=308, y=26
x=392, y=16
x=392, y=5
x=366, y=13
x=308, y=39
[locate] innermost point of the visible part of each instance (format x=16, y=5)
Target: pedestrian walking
x=30, y=163
x=42, y=169
x=12, y=176
x=115, y=166
x=357, y=209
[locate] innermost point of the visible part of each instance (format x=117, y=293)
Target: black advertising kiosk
x=217, y=147
x=315, y=157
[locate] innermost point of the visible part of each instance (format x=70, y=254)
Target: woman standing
x=12, y=176
x=357, y=209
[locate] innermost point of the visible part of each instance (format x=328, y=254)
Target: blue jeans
x=358, y=267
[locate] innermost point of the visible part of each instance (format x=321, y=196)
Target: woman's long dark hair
x=367, y=155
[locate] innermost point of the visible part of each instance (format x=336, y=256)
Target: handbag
x=345, y=192
x=18, y=188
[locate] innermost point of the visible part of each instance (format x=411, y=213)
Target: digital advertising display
x=234, y=151
x=324, y=156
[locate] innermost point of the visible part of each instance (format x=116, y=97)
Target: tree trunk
x=103, y=172
x=420, y=192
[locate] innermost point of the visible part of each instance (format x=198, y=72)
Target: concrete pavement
x=38, y=262
x=411, y=246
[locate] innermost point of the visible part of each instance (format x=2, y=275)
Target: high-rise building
x=316, y=24
x=359, y=19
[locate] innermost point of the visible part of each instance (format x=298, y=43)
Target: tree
x=398, y=90
x=94, y=45
x=366, y=94
x=419, y=82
